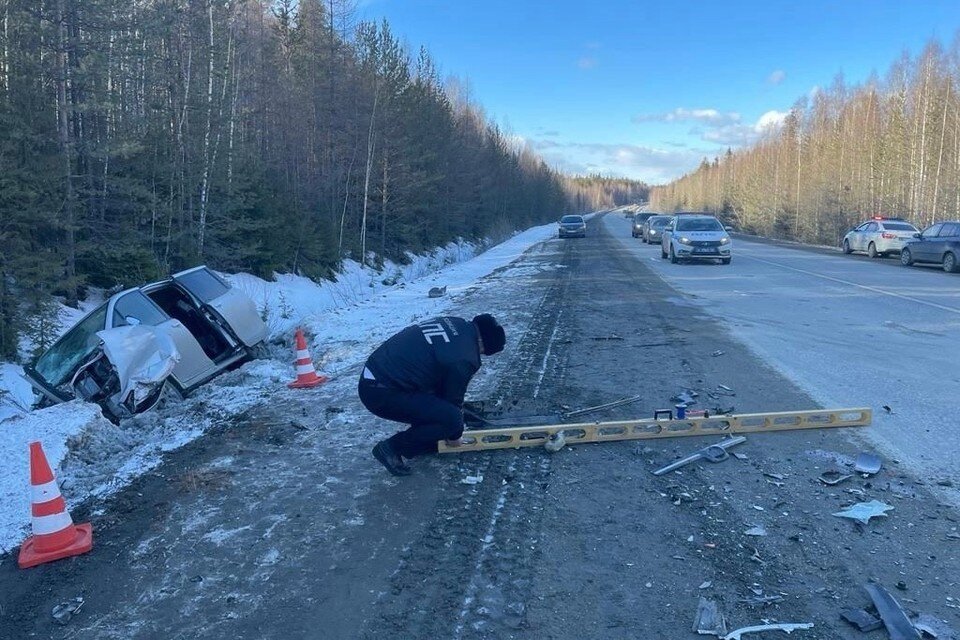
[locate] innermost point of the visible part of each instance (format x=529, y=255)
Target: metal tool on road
x=601, y=407
x=575, y=433
x=714, y=453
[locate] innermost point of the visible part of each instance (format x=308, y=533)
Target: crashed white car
x=175, y=334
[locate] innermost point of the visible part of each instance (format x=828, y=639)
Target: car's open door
x=230, y=305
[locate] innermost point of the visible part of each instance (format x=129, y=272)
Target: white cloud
x=649, y=164
x=587, y=62
x=743, y=134
x=777, y=76
x=772, y=119
x=680, y=114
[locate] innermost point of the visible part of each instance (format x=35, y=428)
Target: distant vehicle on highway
x=879, y=237
x=937, y=244
x=572, y=227
x=638, y=222
x=653, y=228
x=695, y=237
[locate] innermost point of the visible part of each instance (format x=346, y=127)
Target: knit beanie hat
x=493, y=336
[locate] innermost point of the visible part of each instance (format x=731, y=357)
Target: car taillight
x=888, y=236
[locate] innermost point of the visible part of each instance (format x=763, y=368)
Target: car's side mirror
x=131, y=321
x=918, y=235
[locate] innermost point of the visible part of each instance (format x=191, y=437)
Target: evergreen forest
x=140, y=137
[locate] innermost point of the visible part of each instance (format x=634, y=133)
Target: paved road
x=849, y=330
x=264, y=530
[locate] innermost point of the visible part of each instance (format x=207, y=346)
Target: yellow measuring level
x=535, y=436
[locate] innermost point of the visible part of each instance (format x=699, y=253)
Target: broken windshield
x=61, y=360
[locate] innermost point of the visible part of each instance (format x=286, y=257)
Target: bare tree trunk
x=383, y=203
x=943, y=133
x=205, y=181
x=233, y=125
x=796, y=224
x=346, y=199
x=366, y=178
x=925, y=102
x=65, y=128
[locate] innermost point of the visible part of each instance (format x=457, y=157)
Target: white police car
x=691, y=236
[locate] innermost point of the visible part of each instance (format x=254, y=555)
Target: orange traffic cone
x=306, y=375
x=54, y=534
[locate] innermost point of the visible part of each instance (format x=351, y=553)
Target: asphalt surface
x=849, y=330
x=281, y=526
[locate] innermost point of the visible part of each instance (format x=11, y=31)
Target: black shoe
x=385, y=455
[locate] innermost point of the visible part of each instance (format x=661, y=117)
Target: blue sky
x=645, y=90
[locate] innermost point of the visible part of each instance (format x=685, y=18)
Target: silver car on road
x=879, y=237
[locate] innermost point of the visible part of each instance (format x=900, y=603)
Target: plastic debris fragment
x=863, y=511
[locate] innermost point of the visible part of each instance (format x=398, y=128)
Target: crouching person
x=419, y=377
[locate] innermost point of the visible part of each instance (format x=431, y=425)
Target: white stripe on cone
x=43, y=525
x=302, y=353
x=45, y=492
x=305, y=368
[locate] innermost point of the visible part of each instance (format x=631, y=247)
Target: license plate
x=704, y=250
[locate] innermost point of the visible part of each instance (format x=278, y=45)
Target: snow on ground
x=344, y=319
x=59, y=429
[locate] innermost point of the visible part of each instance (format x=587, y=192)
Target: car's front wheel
x=950, y=263
x=846, y=247
x=258, y=351
x=663, y=254
x=724, y=260
x=906, y=258
x=872, y=251
x=673, y=256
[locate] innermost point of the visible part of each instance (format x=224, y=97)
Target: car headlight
x=684, y=240
x=724, y=240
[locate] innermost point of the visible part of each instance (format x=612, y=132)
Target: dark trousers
x=431, y=419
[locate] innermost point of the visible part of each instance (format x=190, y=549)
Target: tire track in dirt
x=455, y=583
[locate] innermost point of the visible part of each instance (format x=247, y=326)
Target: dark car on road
x=638, y=221
x=937, y=244
x=572, y=227
x=653, y=228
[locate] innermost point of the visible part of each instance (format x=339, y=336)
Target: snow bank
x=346, y=319
x=59, y=428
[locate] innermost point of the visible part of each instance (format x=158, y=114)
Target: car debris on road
x=892, y=614
x=714, y=453
x=862, y=512
x=867, y=464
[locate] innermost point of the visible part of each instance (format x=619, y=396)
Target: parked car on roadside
x=879, y=237
x=937, y=244
x=572, y=227
x=636, y=229
x=653, y=228
x=201, y=324
x=695, y=237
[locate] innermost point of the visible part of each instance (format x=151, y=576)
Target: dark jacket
x=438, y=357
